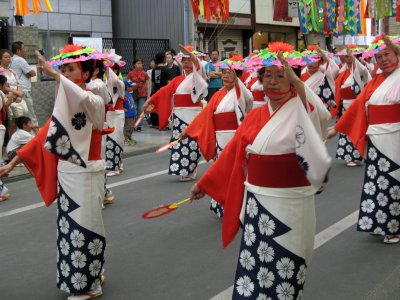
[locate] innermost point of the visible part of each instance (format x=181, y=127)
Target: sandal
x=391, y=239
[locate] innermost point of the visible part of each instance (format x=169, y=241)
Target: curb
x=124, y=155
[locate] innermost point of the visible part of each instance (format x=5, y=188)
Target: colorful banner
x=22, y=7
x=211, y=9
x=343, y=17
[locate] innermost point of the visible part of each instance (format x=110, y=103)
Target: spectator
x=13, y=86
x=129, y=108
x=5, y=102
x=142, y=88
x=21, y=137
x=24, y=73
x=159, y=78
x=214, y=75
x=152, y=66
x=172, y=68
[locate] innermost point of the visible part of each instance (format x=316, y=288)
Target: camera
x=41, y=51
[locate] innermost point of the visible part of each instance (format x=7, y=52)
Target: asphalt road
x=179, y=256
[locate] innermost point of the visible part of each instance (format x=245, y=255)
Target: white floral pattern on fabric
x=285, y=267
x=248, y=262
x=263, y=297
x=113, y=155
x=64, y=246
x=383, y=189
x=95, y=268
x=65, y=288
x=63, y=145
x=393, y=226
x=80, y=255
x=249, y=235
x=77, y=239
x=65, y=269
x=265, y=252
x=266, y=225
x=265, y=277
x=365, y=223
x=79, y=281
x=64, y=225
x=52, y=129
x=368, y=206
x=285, y=291
x=64, y=203
x=251, y=207
x=95, y=247
x=394, y=209
x=185, y=154
x=383, y=165
x=301, y=274
x=245, y=286
x=371, y=171
x=381, y=217
x=395, y=192
x=372, y=153
x=277, y=273
x=345, y=149
x=78, y=259
x=382, y=200
x=369, y=188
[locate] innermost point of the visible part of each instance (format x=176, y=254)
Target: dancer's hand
x=5, y=170
x=47, y=69
x=196, y=193
x=294, y=79
x=332, y=133
x=388, y=42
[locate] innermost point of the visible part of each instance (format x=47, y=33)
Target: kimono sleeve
x=41, y=164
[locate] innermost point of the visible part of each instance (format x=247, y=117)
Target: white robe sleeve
x=320, y=116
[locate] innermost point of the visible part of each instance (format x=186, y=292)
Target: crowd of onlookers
x=141, y=84
x=16, y=104
x=18, y=122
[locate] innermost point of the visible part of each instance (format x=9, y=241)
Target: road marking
x=320, y=239
x=115, y=184
x=20, y=210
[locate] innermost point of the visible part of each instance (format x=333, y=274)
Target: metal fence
x=130, y=49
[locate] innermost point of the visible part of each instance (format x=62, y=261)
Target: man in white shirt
x=24, y=73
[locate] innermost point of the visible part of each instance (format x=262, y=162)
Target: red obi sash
x=225, y=121
x=258, y=95
x=185, y=100
x=95, y=145
x=381, y=114
x=276, y=171
x=119, y=105
x=347, y=93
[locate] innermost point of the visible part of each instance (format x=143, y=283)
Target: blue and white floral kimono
x=278, y=215
x=115, y=119
x=73, y=134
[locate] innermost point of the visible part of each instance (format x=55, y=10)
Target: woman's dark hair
x=88, y=66
x=99, y=65
x=3, y=51
x=160, y=58
x=260, y=74
x=21, y=121
x=136, y=60
x=117, y=68
x=3, y=79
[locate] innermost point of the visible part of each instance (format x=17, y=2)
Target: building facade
x=267, y=30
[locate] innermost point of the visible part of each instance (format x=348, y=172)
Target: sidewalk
x=148, y=140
